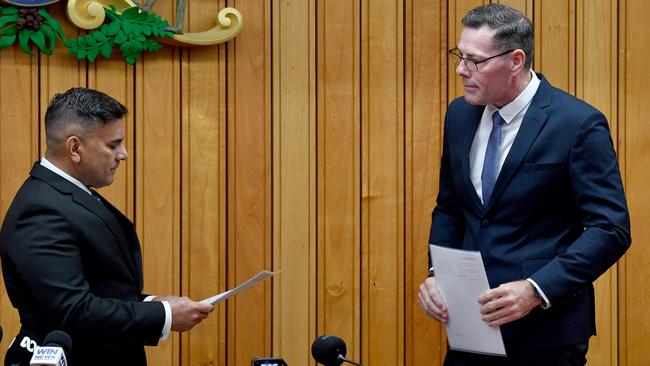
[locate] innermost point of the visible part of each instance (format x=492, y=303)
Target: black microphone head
x=58, y=338
x=326, y=349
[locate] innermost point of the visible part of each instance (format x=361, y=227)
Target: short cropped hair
x=512, y=29
x=82, y=109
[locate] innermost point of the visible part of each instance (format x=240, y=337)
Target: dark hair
x=513, y=29
x=83, y=107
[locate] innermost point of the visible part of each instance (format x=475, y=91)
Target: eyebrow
x=466, y=54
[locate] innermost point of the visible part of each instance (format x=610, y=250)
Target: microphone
x=330, y=351
x=55, y=345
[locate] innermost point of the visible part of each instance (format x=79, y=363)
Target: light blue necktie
x=491, y=162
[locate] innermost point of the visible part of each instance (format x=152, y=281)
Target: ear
x=518, y=60
x=72, y=148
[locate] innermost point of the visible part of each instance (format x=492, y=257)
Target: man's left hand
x=508, y=302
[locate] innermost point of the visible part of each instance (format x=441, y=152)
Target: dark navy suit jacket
x=557, y=214
x=73, y=263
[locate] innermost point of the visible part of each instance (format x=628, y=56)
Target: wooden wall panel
x=425, y=104
x=19, y=147
x=382, y=182
x=310, y=144
x=554, y=22
x=635, y=137
x=294, y=179
x=203, y=186
x=157, y=183
x=339, y=168
x=249, y=183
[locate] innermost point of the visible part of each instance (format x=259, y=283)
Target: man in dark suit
x=529, y=178
x=71, y=261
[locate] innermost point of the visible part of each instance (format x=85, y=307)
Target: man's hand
x=186, y=313
x=508, y=302
x=430, y=300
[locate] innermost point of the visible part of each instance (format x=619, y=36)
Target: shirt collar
x=48, y=164
x=512, y=109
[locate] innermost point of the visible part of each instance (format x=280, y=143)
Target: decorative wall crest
x=123, y=24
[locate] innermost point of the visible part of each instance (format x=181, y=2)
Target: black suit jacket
x=557, y=213
x=73, y=263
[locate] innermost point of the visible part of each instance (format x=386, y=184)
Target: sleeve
x=598, y=192
x=46, y=258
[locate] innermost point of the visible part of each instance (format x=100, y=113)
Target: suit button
x=485, y=223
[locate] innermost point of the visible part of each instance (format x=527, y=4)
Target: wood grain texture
x=382, y=182
x=339, y=170
x=635, y=137
x=158, y=177
x=249, y=126
x=311, y=144
x=425, y=104
x=203, y=186
x=294, y=179
x=554, y=22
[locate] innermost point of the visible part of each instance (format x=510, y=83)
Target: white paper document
x=250, y=282
x=461, y=279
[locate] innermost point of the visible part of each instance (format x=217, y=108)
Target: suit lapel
x=473, y=118
x=531, y=125
x=91, y=204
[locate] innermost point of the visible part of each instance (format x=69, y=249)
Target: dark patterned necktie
x=94, y=195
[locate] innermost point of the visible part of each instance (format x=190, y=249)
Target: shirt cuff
x=168, y=317
x=545, y=303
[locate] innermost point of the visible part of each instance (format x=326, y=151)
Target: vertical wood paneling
x=554, y=22
x=249, y=183
x=294, y=179
x=19, y=147
x=382, y=182
x=157, y=157
x=596, y=84
x=310, y=144
x=339, y=162
x=635, y=136
x=203, y=186
x=425, y=97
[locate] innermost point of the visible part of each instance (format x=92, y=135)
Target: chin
x=472, y=99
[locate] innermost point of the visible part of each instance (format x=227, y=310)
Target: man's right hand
x=430, y=300
x=186, y=313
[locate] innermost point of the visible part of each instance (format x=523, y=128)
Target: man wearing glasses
x=529, y=177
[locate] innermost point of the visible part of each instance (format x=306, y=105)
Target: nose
x=462, y=69
x=122, y=154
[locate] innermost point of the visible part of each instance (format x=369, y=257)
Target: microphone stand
x=341, y=358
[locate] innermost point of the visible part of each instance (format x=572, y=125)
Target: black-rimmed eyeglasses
x=459, y=58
